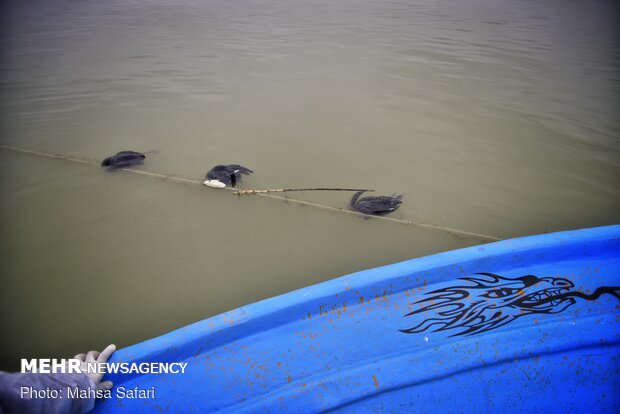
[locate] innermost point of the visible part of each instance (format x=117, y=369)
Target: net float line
x=457, y=233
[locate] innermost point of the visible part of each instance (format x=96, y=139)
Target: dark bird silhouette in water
x=123, y=159
x=223, y=175
x=375, y=205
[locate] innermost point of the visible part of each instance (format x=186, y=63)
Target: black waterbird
x=375, y=205
x=123, y=159
x=223, y=175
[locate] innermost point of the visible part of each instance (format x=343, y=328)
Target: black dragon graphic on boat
x=490, y=301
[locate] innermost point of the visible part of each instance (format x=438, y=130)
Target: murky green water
x=497, y=118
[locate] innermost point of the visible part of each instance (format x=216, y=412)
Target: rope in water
x=288, y=190
x=454, y=232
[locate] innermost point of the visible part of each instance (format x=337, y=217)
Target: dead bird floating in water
x=222, y=175
x=123, y=159
x=375, y=205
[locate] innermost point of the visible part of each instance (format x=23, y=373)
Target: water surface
x=491, y=117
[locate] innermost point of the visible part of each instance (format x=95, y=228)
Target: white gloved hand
x=96, y=357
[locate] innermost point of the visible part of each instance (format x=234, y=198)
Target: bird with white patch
x=222, y=175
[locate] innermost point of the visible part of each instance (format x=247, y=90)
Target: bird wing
x=236, y=168
x=379, y=204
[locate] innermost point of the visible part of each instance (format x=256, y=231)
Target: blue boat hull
x=523, y=324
